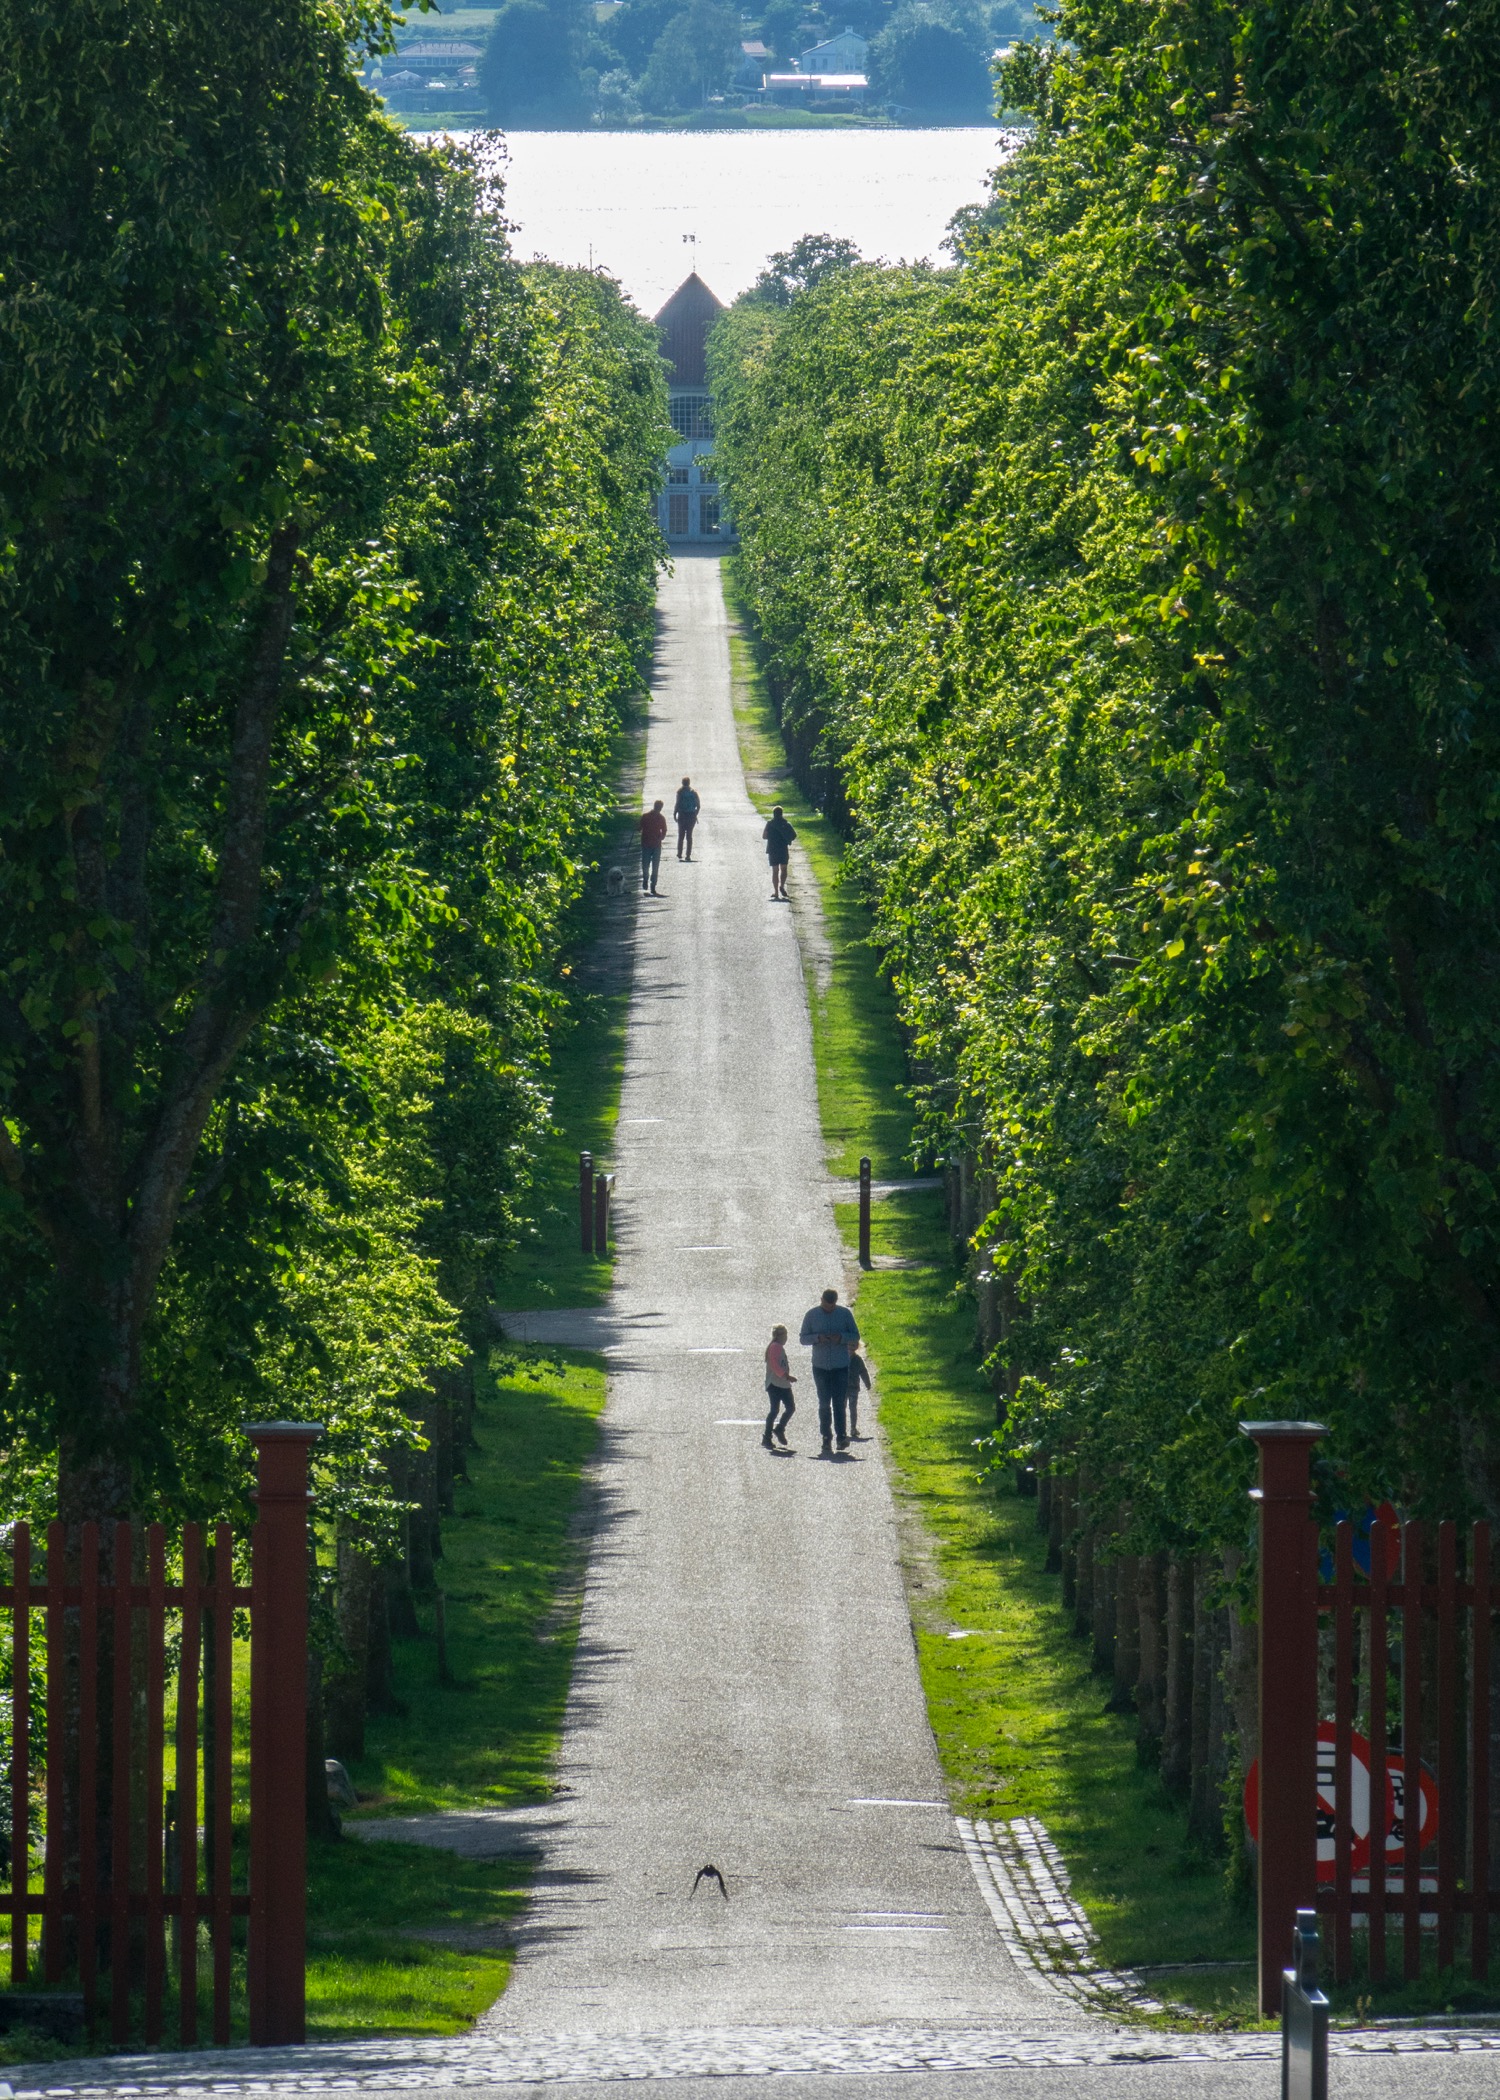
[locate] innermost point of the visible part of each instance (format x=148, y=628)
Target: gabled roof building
x=689, y=506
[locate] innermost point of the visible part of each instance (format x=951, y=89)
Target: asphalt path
x=746, y=1692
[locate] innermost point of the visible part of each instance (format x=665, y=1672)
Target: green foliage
x=798, y=268
x=529, y=75
x=326, y=553
x=1139, y=579
x=934, y=59
x=692, y=57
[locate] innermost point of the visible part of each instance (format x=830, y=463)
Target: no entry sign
x=1359, y=1789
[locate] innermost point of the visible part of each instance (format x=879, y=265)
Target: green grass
x=1019, y=1718
x=549, y=1267
x=403, y=1939
x=367, y=1978
x=856, y=1037
x=510, y=1568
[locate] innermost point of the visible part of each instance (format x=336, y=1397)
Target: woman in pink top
x=779, y=1383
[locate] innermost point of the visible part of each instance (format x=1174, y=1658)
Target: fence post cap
x=283, y=1432
x=1284, y=1432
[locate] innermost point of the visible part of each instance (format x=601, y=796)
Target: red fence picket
x=1443, y=1642
x=114, y=1891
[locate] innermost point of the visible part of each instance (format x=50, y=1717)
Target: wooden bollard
x=586, y=1201
x=864, y=1214
x=602, y=1185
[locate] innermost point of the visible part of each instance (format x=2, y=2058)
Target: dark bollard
x=603, y=1183
x=1304, y=2018
x=864, y=1214
x=586, y=1201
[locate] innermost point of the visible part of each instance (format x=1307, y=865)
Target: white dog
x=614, y=882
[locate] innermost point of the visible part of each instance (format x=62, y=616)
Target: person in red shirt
x=653, y=831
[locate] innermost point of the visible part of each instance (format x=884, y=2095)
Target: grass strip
x=1020, y=1719
x=404, y=1939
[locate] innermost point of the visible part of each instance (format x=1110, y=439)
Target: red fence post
x=864, y=1214
x=278, y=1733
x=1288, y=1861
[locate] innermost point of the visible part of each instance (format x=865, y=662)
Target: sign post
x=1304, y=2017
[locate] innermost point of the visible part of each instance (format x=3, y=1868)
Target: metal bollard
x=864, y=1214
x=1304, y=2018
x=586, y=1201
x=603, y=1183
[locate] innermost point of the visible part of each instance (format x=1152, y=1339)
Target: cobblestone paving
x=419, y=2066
x=1024, y=1881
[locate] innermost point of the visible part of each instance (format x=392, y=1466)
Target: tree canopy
x=1139, y=577
x=328, y=547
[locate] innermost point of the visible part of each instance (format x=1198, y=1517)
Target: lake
x=648, y=206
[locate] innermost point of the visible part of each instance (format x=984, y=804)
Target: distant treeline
x=556, y=63
x=327, y=552
x=1135, y=586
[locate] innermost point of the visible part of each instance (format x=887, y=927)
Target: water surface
x=650, y=205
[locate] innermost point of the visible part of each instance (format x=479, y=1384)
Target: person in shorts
x=653, y=831
x=685, y=809
x=778, y=836
x=779, y=1383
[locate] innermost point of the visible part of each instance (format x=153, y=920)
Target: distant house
x=754, y=58
x=816, y=90
x=847, y=52
x=689, y=507
x=430, y=52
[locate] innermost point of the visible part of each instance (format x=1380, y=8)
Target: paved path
x=746, y=1689
x=892, y=2063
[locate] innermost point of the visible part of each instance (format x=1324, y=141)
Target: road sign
x=1427, y=1797
x=1359, y=1789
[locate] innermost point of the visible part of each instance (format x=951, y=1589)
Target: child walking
x=779, y=1383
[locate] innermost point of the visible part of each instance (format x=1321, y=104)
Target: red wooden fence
x=1417, y=1720
x=119, y=1882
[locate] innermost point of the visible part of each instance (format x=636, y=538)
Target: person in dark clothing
x=830, y=1328
x=653, y=831
x=685, y=809
x=859, y=1375
x=778, y=836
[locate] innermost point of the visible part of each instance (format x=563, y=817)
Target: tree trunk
x=380, y=1674
x=1127, y=1656
x=321, y=1820
x=1205, y=1815
x=1068, y=1541
x=1177, y=1700
x=1105, y=1571
x=1086, y=1569
x=1243, y=1672
x=1150, y=1694
x=348, y=1676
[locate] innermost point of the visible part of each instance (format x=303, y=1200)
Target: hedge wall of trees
x=1138, y=581
x=327, y=552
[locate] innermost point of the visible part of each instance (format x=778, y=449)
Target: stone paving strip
x=1024, y=1881
x=725, y=2052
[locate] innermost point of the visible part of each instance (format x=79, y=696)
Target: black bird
x=710, y=1874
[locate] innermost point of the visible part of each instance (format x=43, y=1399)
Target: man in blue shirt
x=830, y=1328
x=685, y=809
